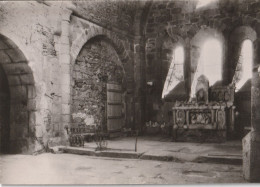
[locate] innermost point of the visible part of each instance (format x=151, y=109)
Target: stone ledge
x=233, y=160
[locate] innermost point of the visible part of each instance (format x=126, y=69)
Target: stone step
x=216, y=159
x=221, y=159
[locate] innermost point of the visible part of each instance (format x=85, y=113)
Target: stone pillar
x=65, y=79
x=251, y=142
x=139, y=76
x=187, y=68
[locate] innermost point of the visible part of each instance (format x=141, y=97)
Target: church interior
x=186, y=69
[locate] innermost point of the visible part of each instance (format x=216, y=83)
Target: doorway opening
x=17, y=100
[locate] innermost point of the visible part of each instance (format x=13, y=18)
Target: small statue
x=202, y=88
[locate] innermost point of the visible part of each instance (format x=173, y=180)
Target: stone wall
x=47, y=39
x=29, y=57
x=106, y=13
x=96, y=65
x=82, y=31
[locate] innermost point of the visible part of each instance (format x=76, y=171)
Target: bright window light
x=212, y=61
x=175, y=73
x=203, y=3
x=246, y=59
x=209, y=64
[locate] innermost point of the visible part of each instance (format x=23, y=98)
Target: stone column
x=65, y=72
x=251, y=142
x=187, y=67
x=139, y=76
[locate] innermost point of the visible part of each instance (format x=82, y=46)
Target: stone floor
x=162, y=148
x=51, y=168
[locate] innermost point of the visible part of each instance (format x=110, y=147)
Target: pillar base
x=251, y=156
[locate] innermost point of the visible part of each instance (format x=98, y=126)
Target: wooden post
x=136, y=141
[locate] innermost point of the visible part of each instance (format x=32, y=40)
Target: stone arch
x=96, y=65
x=242, y=33
x=242, y=98
x=20, y=130
x=237, y=36
x=120, y=46
x=196, y=43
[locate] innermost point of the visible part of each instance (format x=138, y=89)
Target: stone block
x=18, y=93
x=31, y=92
x=56, y=118
x=31, y=104
x=56, y=108
x=56, y=128
x=64, y=49
x=246, y=156
x=3, y=45
x=65, y=58
x=16, y=55
x=14, y=80
x=27, y=79
x=21, y=118
x=65, y=79
x=65, y=68
x=16, y=68
x=4, y=57
x=251, y=156
x=66, y=118
x=32, y=120
x=65, y=98
x=65, y=109
x=38, y=131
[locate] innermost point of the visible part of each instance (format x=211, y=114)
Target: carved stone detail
x=180, y=117
x=221, y=118
x=202, y=88
x=200, y=117
x=217, y=115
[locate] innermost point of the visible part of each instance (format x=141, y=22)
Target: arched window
x=175, y=74
x=210, y=63
x=244, y=66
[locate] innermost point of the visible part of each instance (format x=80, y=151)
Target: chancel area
x=77, y=72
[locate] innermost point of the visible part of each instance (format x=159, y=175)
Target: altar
x=208, y=118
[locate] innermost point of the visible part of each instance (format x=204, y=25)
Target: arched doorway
x=17, y=95
x=96, y=67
